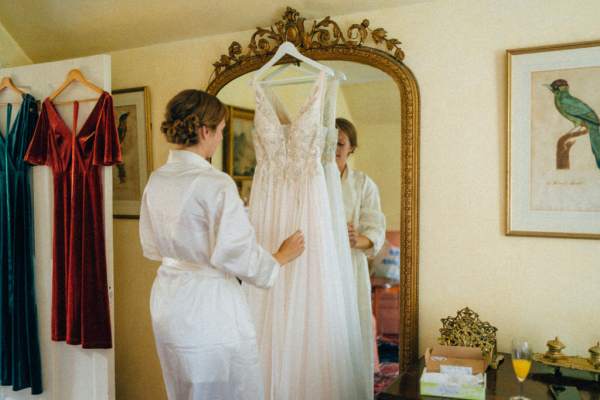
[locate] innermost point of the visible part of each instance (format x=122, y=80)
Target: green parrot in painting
x=579, y=113
x=122, y=130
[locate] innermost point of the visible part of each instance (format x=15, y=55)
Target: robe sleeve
x=371, y=218
x=37, y=151
x=107, y=149
x=236, y=249
x=147, y=233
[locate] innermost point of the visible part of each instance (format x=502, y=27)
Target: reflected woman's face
x=344, y=148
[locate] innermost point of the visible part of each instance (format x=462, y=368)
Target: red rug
x=386, y=375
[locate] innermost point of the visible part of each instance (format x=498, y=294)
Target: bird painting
x=122, y=130
x=584, y=119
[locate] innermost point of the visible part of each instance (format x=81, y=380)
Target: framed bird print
x=132, y=118
x=553, y=145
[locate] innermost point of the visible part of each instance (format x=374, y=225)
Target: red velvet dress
x=80, y=308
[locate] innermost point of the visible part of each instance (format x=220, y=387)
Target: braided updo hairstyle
x=189, y=110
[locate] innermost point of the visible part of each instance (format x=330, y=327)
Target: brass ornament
x=555, y=358
x=323, y=34
x=466, y=329
x=595, y=355
x=555, y=348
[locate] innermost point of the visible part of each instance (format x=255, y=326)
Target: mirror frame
x=326, y=41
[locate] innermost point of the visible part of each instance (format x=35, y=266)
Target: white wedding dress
x=307, y=331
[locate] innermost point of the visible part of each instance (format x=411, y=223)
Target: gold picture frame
x=552, y=178
x=132, y=118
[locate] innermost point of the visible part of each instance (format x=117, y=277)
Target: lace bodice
x=286, y=147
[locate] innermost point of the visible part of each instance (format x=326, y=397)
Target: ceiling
x=56, y=29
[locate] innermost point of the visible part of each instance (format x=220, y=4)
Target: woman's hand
x=358, y=241
x=290, y=249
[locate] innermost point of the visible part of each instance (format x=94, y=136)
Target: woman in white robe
x=366, y=229
x=193, y=221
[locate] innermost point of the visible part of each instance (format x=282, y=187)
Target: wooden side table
x=501, y=383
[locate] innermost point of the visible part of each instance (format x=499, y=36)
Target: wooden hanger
x=75, y=75
x=7, y=83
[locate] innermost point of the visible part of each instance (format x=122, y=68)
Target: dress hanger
x=7, y=83
x=75, y=75
x=296, y=66
x=288, y=48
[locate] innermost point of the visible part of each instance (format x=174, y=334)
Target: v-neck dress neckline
x=277, y=107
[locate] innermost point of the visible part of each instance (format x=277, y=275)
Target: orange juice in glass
x=521, y=361
x=521, y=368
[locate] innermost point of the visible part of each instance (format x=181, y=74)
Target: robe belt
x=172, y=264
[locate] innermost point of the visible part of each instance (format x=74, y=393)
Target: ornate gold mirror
x=381, y=98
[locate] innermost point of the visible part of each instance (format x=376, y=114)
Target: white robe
x=363, y=210
x=193, y=221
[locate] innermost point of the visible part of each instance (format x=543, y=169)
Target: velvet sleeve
x=107, y=149
x=37, y=151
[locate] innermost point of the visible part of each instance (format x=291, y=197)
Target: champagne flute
x=521, y=361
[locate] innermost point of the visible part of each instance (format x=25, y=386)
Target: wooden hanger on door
x=7, y=83
x=75, y=75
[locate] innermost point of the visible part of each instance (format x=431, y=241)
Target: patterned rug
x=386, y=375
x=387, y=347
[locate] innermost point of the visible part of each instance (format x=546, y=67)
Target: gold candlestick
x=555, y=348
x=595, y=355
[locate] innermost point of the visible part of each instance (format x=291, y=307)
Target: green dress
x=20, y=364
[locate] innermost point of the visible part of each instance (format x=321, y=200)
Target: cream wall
x=534, y=287
x=457, y=51
x=11, y=54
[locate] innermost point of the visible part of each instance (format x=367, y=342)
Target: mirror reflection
x=367, y=158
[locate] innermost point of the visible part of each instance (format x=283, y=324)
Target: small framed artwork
x=132, y=118
x=239, y=159
x=238, y=150
x=553, y=141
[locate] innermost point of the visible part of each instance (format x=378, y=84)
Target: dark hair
x=349, y=129
x=188, y=111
